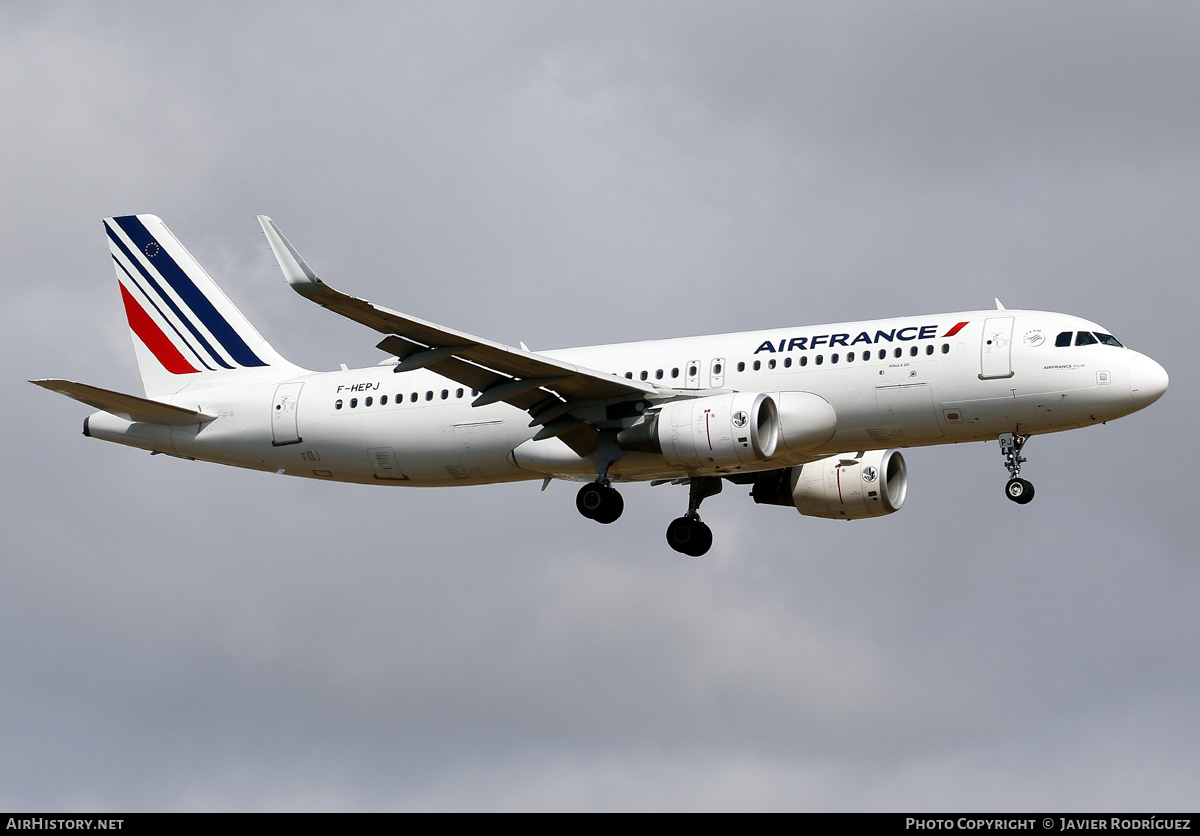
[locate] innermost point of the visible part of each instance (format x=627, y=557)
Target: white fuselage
x=915, y=381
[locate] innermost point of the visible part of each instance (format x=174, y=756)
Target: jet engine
x=717, y=431
x=845, y=487
x=806, y=420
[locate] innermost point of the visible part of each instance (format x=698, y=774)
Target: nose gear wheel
x=1019, y=491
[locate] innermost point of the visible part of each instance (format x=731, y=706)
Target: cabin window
x=1063, y=339
x=445, y=394
x=882, y=353
x=458, y=393
x=929, y=349
x=383, y=400
x=804, y=360
x=757, y=365
x=787, y=362
x=429, y=395
x=899, y=352
x=693, y=371
x=629, y=375
x=644, y=375
x=741, y=366
x=717, y=368
x=945, y=348
x=338, y=404
x=913, y=351
x=820, y=359
x=850, y=357
x=413, y=397
x=658, y=374
x=1084, y=338
x=771, y=363
x=833, y=358
x=353, y=402
x=368, y=401
x=675, y=372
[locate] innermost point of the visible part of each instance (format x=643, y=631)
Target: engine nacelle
x=806, y=421
x=840, y=487
x=717, y=431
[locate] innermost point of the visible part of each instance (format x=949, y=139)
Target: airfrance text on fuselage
x=912, y=332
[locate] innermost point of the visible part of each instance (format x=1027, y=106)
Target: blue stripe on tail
x=167, y=299
x=192, y=296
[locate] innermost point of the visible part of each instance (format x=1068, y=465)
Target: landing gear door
x=284, y=429
x=995, y=355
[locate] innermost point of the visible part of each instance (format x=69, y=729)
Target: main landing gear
x=1018, y=490
x=688, y=534
x=600, y=501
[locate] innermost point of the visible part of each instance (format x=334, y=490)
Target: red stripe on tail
x=153, y=337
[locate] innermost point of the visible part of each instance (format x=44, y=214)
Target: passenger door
x=284, y=428
x=995, y=353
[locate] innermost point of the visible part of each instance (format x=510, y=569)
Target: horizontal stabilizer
x=128, y=407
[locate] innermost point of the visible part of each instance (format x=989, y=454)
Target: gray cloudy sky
x=183, y=636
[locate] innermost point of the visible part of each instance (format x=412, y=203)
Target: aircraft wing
x=499, y=372
x=129, y=407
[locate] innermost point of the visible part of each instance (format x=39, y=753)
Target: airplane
x=810, y=417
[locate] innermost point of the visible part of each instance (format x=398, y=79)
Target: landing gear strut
x=687, y=534
x=1018, y=490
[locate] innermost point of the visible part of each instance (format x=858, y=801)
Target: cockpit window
x=1063, y=339
x=1109, y=339
x=1084, y=338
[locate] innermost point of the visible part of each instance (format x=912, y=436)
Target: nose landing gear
x=1018, y=490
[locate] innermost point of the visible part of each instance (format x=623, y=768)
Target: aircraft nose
x=1147, y=380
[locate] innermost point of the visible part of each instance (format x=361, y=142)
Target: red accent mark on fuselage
x=153, y=337
x=955, y=329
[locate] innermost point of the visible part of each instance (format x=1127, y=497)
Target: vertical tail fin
x=184, y=327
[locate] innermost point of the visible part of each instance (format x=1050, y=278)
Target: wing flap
x=128, y=407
